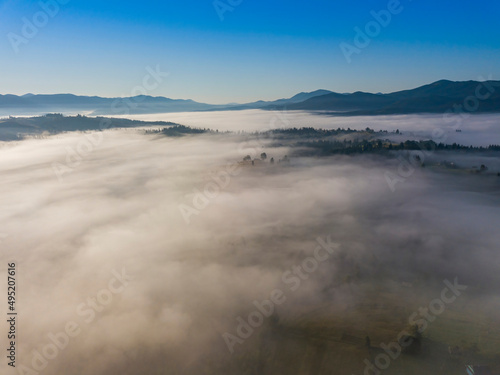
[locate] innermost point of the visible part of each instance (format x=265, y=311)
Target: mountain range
x=440, y=96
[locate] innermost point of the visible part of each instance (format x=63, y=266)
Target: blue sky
x=260, y=50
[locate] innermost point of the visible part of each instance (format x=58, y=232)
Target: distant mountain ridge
x=280, y=102
x=439, y=96
x=98, y=105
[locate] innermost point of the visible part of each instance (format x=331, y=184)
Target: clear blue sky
x=261, y=50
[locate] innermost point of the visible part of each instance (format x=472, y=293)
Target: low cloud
x=189, y=282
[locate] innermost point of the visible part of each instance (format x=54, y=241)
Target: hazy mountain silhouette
x=280, y=102
x=98, y=105
x=439, y=96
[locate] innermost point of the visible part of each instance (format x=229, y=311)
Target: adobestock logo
x=421, y=320
x=121, y=106
x=372, y=29
x=39, y=20
x=57, y=343
x=456, y=116
x=222, y=7
x=292, y=278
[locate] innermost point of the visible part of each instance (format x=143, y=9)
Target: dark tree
x=368, y=342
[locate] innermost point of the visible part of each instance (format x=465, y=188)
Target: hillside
x=440, y=96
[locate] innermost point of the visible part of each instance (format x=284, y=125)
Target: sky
x=227, y=51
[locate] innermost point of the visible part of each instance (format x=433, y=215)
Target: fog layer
x=476, y=130
x=198, y=255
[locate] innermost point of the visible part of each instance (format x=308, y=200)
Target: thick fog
x=171, y=240
x=475, y=129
